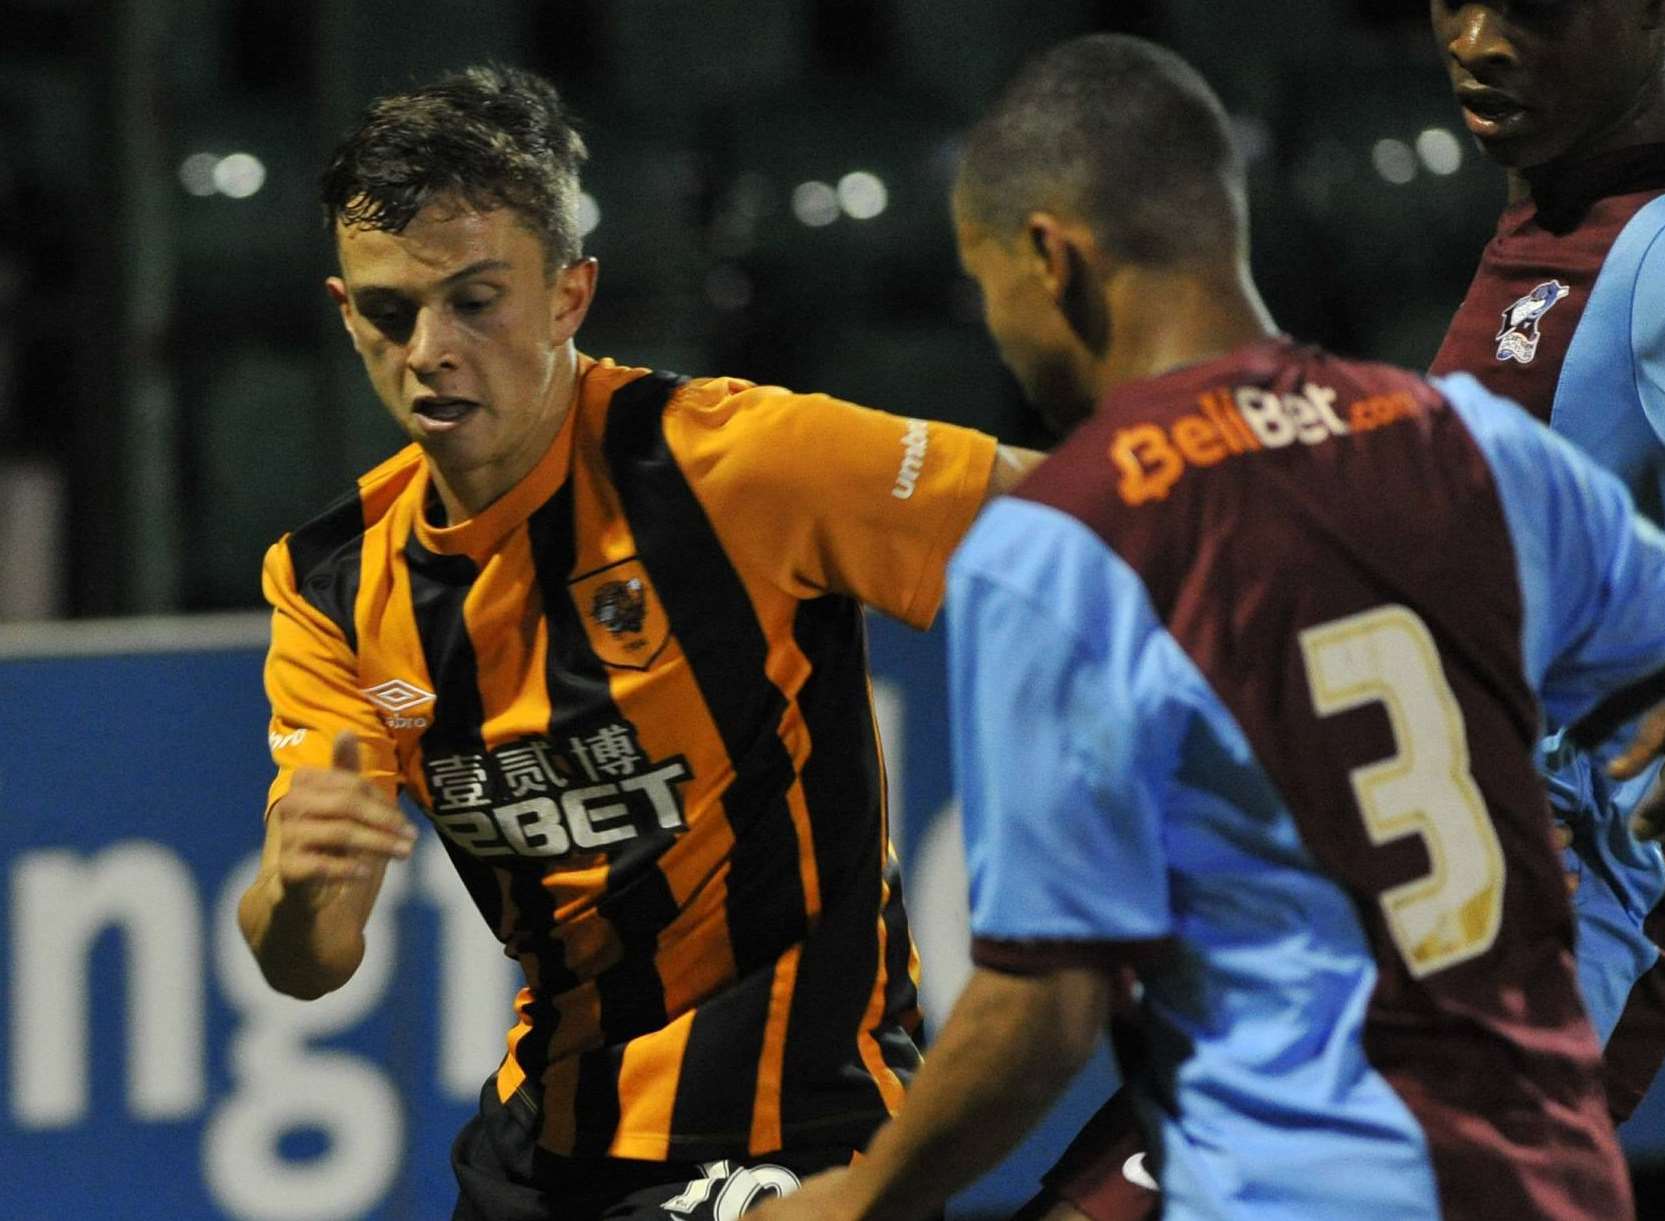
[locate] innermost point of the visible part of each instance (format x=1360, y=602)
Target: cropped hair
x=487, y=135
x=1125, y=134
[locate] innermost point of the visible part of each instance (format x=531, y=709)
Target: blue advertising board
x=147, y=1069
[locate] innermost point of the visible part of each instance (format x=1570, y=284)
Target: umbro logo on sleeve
x=915, y=440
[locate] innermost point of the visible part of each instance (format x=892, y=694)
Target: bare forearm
x=328, y=842
x=303, y=950
x=1007, y=1052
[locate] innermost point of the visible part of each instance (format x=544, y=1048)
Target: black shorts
x=502, y=1175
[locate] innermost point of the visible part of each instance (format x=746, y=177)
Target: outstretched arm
x=1009, y=1049
x=328, y=841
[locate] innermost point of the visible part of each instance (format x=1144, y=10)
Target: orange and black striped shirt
x=632, y=696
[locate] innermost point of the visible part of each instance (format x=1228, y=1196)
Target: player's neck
x=467, y=490
x=1642, y=124
x=1162, y=320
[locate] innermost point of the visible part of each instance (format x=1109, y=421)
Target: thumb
x=344, y=754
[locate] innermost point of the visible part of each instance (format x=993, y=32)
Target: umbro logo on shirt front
x=396, y=698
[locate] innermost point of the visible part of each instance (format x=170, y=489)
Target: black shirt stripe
x=727, y=650
x=637, y=900
x=326, y=555
x=438, y=585
x=841, y=789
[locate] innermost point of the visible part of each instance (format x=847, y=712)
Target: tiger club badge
x=624, y=618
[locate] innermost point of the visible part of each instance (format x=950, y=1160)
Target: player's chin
x=1523, y=151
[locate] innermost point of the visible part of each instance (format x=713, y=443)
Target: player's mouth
x=438, y=413
x=1490, y=114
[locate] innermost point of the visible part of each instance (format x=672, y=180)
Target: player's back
x=1369, y=1007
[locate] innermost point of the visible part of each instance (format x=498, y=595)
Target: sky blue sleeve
x=1647, y=325
x=1047, y=673
x=1592, y=571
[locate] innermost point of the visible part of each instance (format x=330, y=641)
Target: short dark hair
x=1124, y=133
x=488, y=135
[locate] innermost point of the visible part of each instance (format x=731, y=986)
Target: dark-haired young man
x=1246, y=681
x=603, y=626
x=1566, y=315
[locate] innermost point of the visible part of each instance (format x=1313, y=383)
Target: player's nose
x=1478, y=38
x=432, y=347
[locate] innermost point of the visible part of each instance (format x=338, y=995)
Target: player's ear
x=1085, y=306
x=1066, y=267
x=574, y=290
x=1048, y=251
x=337, y=289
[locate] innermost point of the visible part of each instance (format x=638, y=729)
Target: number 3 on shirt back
x=1388, y=656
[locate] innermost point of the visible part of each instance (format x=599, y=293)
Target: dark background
x=175, y=389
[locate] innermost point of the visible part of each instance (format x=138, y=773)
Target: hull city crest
x=622, y=615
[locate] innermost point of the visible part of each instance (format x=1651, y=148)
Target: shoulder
x=1630, y=246
x=1497, y=424
x=731, y=404
x=740, y=423
x=1017, y=530
x=347, y=518
x=1529, y=463
x=1042, y=554
x=624, y=400
x=1634, y=218
x=1146, y=435
x=639, y=417
x=1638, y=254
x=1353, y=379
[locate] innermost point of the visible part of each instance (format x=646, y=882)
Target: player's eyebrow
x=456, y=277
x=474, y=269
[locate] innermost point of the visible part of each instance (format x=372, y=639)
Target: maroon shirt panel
x=1522, y=255
x=1243, y=543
